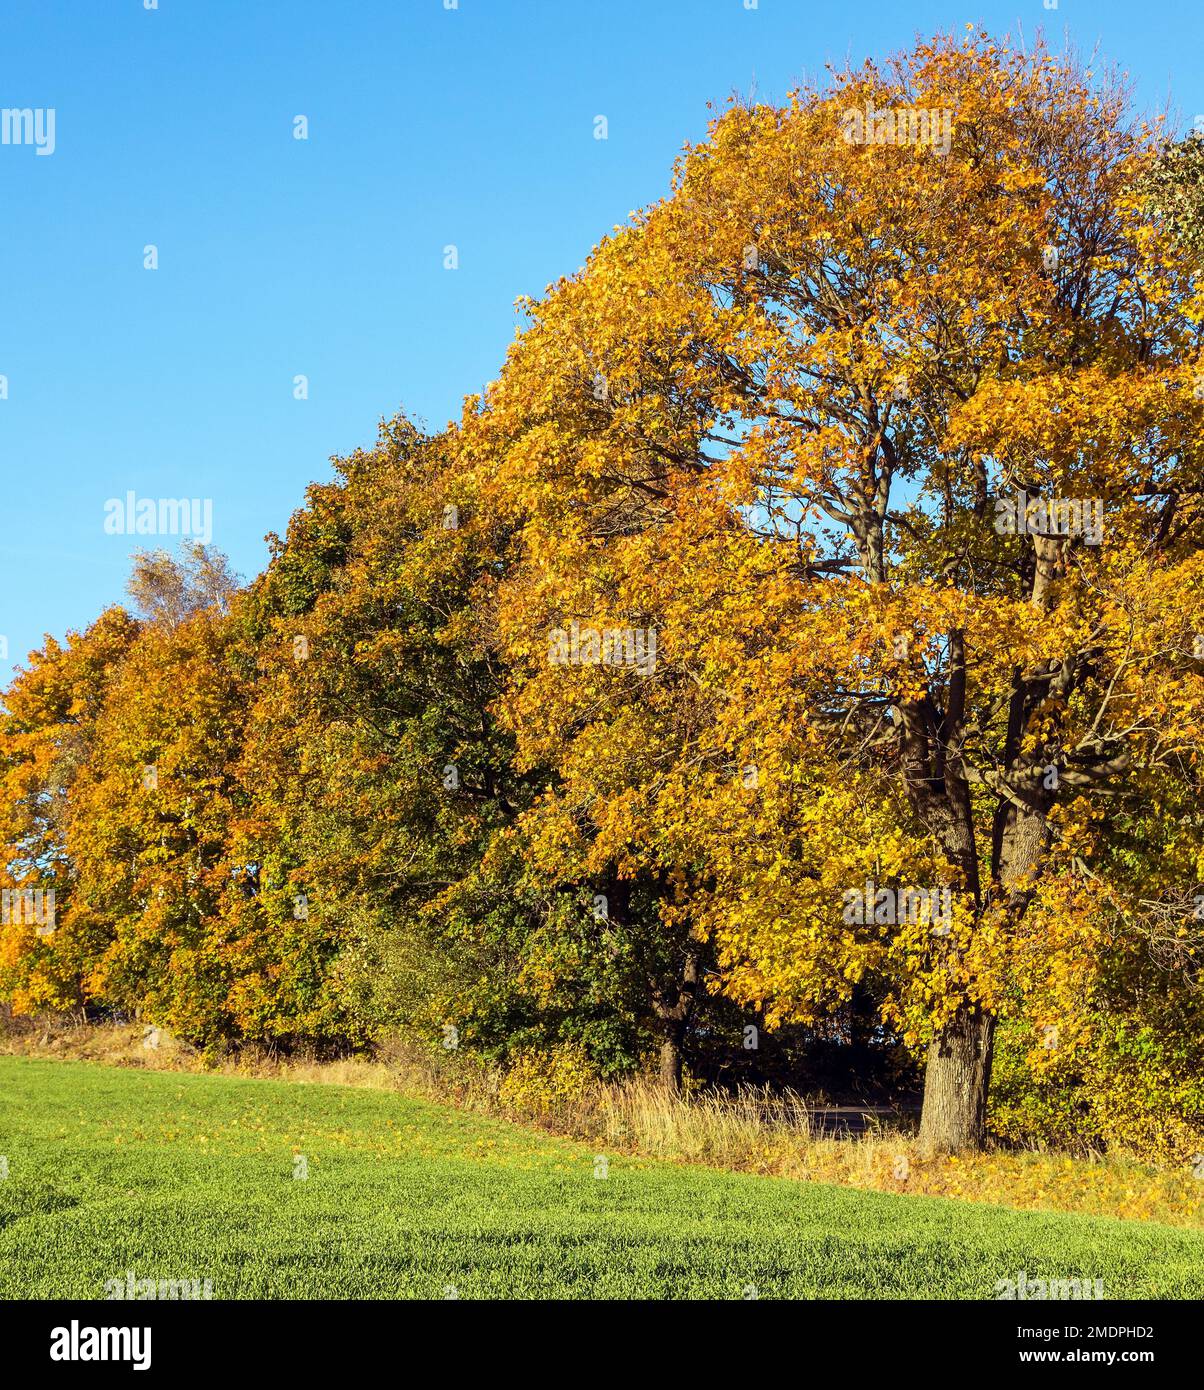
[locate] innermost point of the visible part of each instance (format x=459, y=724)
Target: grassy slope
x=182, y=1176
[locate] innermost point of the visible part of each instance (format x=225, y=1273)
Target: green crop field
x=179, y=1176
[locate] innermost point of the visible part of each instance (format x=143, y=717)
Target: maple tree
x=47, y=737
x=781, y=418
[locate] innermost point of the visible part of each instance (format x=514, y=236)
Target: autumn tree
x=1173, y=188
x=167, y=589
x=379, y=774
x=149, y=812
x=787, y=414
x=48, y=732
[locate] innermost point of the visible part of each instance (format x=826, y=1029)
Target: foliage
x=568, y=731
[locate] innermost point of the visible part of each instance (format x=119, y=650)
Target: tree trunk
x=958, y=1071
x=671, y=1063
x=674, y=1019
x=956, y=1081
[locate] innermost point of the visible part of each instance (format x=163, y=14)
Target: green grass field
x=175, y=1176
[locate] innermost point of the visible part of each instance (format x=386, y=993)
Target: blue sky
x=428, y=127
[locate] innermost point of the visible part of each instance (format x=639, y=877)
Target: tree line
x=832, y=537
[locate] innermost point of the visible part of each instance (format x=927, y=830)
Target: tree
x=48, y=730
x=798, y=402
x=167, y=590
x=1174, y=191
x=378, y=774
x=150, y=810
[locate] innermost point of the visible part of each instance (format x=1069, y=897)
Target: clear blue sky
x=277, y=257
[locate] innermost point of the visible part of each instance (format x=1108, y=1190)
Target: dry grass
x=736, y=1133
x=749, y=1132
